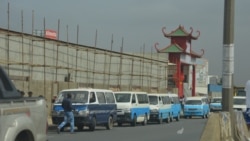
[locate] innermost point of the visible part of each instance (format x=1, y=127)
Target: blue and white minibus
x=196, y=106
x=176, y=106
x=132, y=107
x=93, y=107
x=160, y=108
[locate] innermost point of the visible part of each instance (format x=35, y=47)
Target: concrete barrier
x=218, y=127
x=211, y=131
x=241, y=130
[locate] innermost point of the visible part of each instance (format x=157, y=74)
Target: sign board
x=51, y=34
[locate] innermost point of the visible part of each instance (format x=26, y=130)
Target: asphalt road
x=183, y=130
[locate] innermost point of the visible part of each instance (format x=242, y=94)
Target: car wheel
x=203, y=116
x=207, y=114
x=110, y=123
x=178, y=117
x=168, y=120
x=160, y=119
x=133, y=123
x=93, y=124
x=171, y=117
x=145, y=121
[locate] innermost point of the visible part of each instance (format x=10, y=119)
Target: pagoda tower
x=180, y=53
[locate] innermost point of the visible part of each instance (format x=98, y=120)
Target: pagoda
x=181, y=54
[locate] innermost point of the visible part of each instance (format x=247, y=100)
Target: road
x=192, y=130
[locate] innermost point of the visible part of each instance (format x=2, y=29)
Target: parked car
x=215, y=104
x=93, y=107
x=239, y=103
x=160, y=108
x=21, y=118
x=176, y=106
x=132, y=107
x=196, y=106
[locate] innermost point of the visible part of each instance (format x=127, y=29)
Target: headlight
x=83, y=112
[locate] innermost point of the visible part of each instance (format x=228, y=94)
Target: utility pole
x=228, y=60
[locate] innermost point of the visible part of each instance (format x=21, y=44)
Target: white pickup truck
x=21, y=118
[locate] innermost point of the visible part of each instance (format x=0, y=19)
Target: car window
x=239, y=101
x=176, y=100
x=153, y=100
x=166, y=100
x=216, y=100
x=142, y=98
x=101, y=97
x=76, y=96
x=110, y=97
x=122, y=97
x=193, y=102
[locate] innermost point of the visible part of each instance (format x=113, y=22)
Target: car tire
x=168, y=120
x=133, y=123
x=178, y=117
x=93, y=124
x=145, y=121
x=171, y=117
x=110, y=123
x=160, y=119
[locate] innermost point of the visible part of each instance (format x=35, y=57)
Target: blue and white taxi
x=196, y=106
x=215, y=104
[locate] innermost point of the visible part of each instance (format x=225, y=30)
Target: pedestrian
x=30, y=93
x=22, y=93
x=182, y=101
x=68, y=114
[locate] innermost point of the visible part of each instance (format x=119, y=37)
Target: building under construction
x=45, y=66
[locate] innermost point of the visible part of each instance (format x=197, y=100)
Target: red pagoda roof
x=180, y=32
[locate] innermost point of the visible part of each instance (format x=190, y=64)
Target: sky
x=138, y=24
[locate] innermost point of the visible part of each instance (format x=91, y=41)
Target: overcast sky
x=140, y=22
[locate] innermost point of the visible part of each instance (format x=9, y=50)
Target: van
x=93, y=107
x=215, y=104
x=176, y=106
x=160, y=108
x=132, y=107
x=196, y=106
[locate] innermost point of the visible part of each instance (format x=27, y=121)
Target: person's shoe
x=58, y=130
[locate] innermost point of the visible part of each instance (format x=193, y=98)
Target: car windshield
x=76, y=96
x=193, y=102
x=216, y=100
x=239, y=101
x=153, y=100
x=124, y=97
